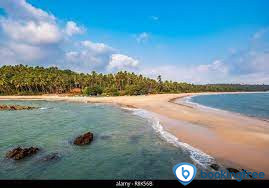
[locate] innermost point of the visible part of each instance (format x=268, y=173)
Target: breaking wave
x=196, y=155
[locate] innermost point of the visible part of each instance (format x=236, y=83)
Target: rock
x=20, y=153
x=84, y=139
x=243, y=170
x=52, y=156
x=233, y=170
x=16, y=107
x=215, y=166
x=105, y=137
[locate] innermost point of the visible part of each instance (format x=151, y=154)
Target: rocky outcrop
x=20, y=153
x=215, y=166
x=243, y=170
x=84, y=139
x=233, y=170
x=16, y=107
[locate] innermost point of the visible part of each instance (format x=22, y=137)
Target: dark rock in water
x=105, y=137
x=20, y=153
x=52, y=157
x=233, y=170
x=243, y=170
x=134, y=139
x=215, y=166
x=15, y=107
x=84, y=139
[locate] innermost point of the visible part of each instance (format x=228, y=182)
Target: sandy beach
x=233, y=140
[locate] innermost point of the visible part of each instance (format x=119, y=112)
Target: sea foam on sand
x=196, y=155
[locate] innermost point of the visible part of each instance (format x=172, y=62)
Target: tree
x=25, y=80
x=159, y=78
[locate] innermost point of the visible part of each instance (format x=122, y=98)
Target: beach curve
x=232, y=139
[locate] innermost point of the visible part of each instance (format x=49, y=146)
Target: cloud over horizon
x=32, y=36
x=249, y=65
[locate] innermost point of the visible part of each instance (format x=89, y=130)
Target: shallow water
x=250, y=104
x=125, y=145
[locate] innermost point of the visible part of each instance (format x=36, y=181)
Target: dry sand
x=232, y=139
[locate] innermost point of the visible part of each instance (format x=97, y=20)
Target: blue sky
x=195, y=41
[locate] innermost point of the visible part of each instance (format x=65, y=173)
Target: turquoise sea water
x=125, y=146
x=250, y=104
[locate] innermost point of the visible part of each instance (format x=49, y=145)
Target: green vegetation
x=24, y=80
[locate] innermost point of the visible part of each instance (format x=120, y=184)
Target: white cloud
x=29, y=35
x=122, y=62
x=89, y=56
x=217, y=66
x=26, y=52
x=142, y=37
x=154, y=18
x=31, y=32
x=249, y=65
x=98, y=56
x=34, y=37
x=260, y=33
x=84, y=61
x=254, y=59
x=72, y=28
x=215, y=72
x=97, y=47
x=21, y=10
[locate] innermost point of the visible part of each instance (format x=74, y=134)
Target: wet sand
x=232, y=139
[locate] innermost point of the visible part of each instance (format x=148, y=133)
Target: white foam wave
x=43, y=108
x=188, y=100
x=196, y=155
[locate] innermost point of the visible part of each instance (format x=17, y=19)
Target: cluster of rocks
x=216, y=167
x=20, y=153
x=16, y=107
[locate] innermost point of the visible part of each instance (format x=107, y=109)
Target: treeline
x=25, y=80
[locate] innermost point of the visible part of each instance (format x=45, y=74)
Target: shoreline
x=185, y=102
x=233, y=140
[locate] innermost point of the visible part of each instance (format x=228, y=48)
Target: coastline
x=232, y=139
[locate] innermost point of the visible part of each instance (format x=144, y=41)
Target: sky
x=201, y=42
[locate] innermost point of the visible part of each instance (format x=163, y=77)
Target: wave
x=188, y=100
x=196, y=155
x=43, y=108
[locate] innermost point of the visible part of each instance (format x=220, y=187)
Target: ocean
x=127, y=144
x=249, y=104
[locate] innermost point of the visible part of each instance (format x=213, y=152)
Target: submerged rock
x=20, y=153
x=215, y=166
x=233, y=170
x=16, y=107
x=84, y=139
x=51, y=157
x=243, y=170
x=105, y=137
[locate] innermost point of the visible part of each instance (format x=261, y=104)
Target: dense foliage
x=24, y=80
